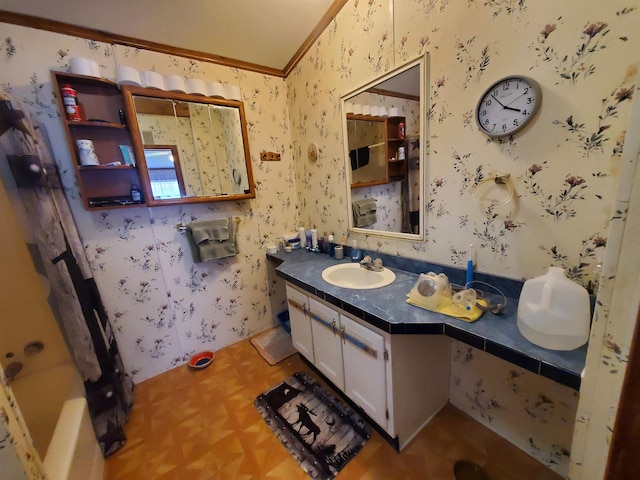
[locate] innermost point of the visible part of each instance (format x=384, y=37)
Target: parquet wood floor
x=202, y=425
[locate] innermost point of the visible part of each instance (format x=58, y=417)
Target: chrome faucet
x=373, y=265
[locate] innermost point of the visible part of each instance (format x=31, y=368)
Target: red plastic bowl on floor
x=201, y=360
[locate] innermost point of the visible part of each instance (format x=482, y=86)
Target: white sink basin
x=352, y=275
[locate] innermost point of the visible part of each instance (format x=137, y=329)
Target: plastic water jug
x=554, y=312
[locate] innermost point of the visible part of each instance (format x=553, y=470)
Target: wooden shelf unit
x=396, y=170
x=100, y=100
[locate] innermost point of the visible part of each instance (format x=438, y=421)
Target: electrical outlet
x=269, y=157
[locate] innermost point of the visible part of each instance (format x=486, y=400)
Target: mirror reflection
x=384, y=163
x=195, y=148
x=367, y=150
x=165, y=172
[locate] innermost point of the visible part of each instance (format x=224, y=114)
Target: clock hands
x=497, y=101
x=506, y=107
x=521, y=95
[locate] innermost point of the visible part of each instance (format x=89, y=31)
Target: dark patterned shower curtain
x=75, y=297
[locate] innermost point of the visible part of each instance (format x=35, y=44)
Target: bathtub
x=53, y=404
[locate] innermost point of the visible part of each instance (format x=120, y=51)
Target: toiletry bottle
x=302, y=237
x=70, y=102
x=330, y=245
x=307, y=234
x=136, y=194
x=355, y=252
x=314, y=239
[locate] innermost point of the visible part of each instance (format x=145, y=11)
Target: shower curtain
x=75, y=297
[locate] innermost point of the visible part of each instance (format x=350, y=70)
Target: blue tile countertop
x=386, y=309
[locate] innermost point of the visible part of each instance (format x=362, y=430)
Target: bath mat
x=274, y=345
x=317, y=429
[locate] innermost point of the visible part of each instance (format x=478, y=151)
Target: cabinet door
x=325, y=325
x=300, y=324
x=364, y=365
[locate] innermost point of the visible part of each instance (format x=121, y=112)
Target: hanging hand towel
x=364, y=212
x=212, y=239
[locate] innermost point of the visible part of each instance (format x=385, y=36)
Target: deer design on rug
x=305, y=420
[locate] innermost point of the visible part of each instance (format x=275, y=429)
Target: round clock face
x=508, y=106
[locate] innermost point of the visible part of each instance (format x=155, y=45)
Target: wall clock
x=508, y=105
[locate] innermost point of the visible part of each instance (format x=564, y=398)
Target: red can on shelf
x=70, y=101
x=401, y=130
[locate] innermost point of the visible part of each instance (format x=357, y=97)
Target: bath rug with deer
x=319, y=431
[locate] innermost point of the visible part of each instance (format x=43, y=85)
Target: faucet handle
x=366, y=260
x=377, y=264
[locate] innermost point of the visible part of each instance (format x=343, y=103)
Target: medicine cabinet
x=204, y=138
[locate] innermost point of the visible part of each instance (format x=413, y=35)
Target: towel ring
x=498, y=179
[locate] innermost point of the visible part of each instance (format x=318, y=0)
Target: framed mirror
x=384, y=122
x=189, y=148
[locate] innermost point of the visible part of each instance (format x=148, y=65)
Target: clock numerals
x=508, y=106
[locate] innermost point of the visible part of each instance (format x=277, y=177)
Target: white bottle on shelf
x=302, y=236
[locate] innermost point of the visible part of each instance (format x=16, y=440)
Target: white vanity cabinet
x=363, y=351
x=399, y=381
x=327, y=346
x=300, y=324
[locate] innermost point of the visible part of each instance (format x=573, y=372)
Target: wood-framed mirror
x=204, y=138
x=384, y=126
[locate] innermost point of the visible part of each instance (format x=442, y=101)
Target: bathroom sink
x=352, y=275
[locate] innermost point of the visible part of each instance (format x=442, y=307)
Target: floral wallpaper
x=533, y=412
x=164, y=307
x=565, y=168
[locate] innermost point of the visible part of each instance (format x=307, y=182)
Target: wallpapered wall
x=584, y=54
x=163, y=306
x=564, y=167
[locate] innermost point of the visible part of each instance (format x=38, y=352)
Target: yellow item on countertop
x=447, y=307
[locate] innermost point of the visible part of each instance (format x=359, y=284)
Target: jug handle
x=545, y=301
